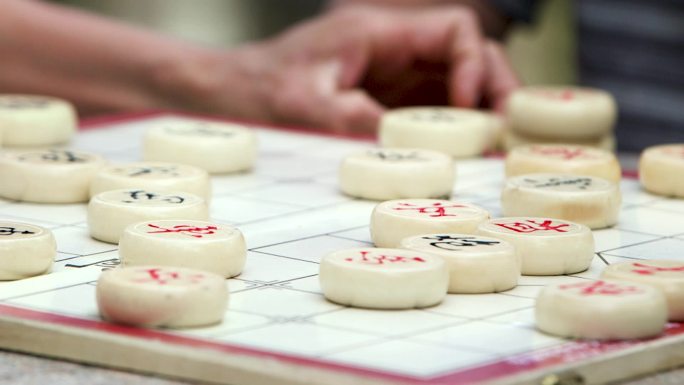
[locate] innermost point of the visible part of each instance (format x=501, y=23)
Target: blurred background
x=543, y=53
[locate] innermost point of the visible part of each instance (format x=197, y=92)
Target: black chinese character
x=452, y=243
x=580, y=183
x=171, y=171
x=395, y=156
x=435, y=115
x=64, y=156
x=200, y=129
x=20, y=103
x=6, y=230
x=175, y=199
x=55, y=156
x=141, y=195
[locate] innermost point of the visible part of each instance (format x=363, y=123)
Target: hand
x=339, y=71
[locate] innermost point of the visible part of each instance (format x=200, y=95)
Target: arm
x=103, y=66
x=333, y=72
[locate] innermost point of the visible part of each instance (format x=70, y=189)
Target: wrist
x=211, y=81
x=177, y=76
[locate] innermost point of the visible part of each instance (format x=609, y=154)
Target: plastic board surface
x=280, y=329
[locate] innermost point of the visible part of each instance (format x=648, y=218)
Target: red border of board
x=542, y=358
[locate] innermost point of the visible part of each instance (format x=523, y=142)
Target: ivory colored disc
x=213, y=247
x=563, y=159
x=458, y=132
x=601, y=310
x=48, y=176
x=476, y=264
x=661, y=169
x=215, y=147
x=392, y=221
x=160, y=296
x=157, y=176
x=110, y=212
x=383, y=278
x=25, y=250
x=500, y=129
x=511, y=140
x=35, y=121
x=561, y=112
x=546, y=246
x=665, y=275
x=591, y=201
x=384, y=174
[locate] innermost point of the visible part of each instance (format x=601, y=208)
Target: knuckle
x=466, y=15
x=289, y=102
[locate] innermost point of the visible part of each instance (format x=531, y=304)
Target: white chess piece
x=200, y=245
x=213, y=146
x=48, y=176
x=392, y=221
x=383, y=278
x=161, y=296
x=158, y=176
x=384, y=174
x=25, y=250
x=110, y=212
x=458, y=132
x=601, y=310
x=546, y=246
x=476, y=264
x=36, y=121
x=591, y=201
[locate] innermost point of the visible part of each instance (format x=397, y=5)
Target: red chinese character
x=565, y=153
x=565, y=95
x=162, y=277
x=676, y=151
x=382, y=259
x=193, y=231
x=601, y=288
x=530, y=226
x=650, y=270
x=437, y=209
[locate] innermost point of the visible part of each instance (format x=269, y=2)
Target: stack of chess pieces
x=560, y=115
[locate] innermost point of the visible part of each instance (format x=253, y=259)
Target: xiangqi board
x=278, y=327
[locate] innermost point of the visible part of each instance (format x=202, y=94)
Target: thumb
x=313, y=96
x=350, y=112
x=501, y=79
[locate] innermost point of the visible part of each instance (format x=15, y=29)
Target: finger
x=313, y=98
x=353, y=55
x=346, y=112
x=446, y=35
x=501, y=78
x=421, y=85
x=467, y=61
x=452, y=35
x=350, y=112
